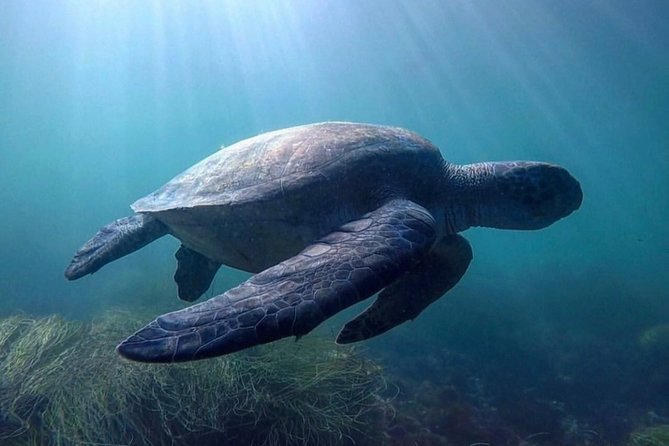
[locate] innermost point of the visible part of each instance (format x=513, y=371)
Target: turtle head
x=518, y=194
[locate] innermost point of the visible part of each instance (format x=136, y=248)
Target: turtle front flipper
x=194, y=273
x=294, y=296
x=404, y=299
x=113, y=241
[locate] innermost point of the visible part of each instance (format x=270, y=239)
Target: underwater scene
x=374, y=222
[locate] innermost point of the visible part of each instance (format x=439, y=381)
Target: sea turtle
x=325, y=215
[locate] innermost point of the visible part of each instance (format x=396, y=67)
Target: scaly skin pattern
x=409, y=295
x=508, y=195
x=194, y=273
x=327, y=214
x=294, y=296
x=115, y=240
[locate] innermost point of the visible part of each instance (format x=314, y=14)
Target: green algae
x=62, y=383
x=650, y=436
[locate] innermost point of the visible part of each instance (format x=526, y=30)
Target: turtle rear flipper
x=194, y=273
x=115, y=240
x=294, y=296
x=406, y=298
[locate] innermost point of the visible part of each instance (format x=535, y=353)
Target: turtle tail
x=113, y=241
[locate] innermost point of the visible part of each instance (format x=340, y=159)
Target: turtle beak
x=571, y=195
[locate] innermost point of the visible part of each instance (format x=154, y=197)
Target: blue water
x=101, y=102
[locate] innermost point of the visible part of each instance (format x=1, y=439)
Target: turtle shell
x=279, y=161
